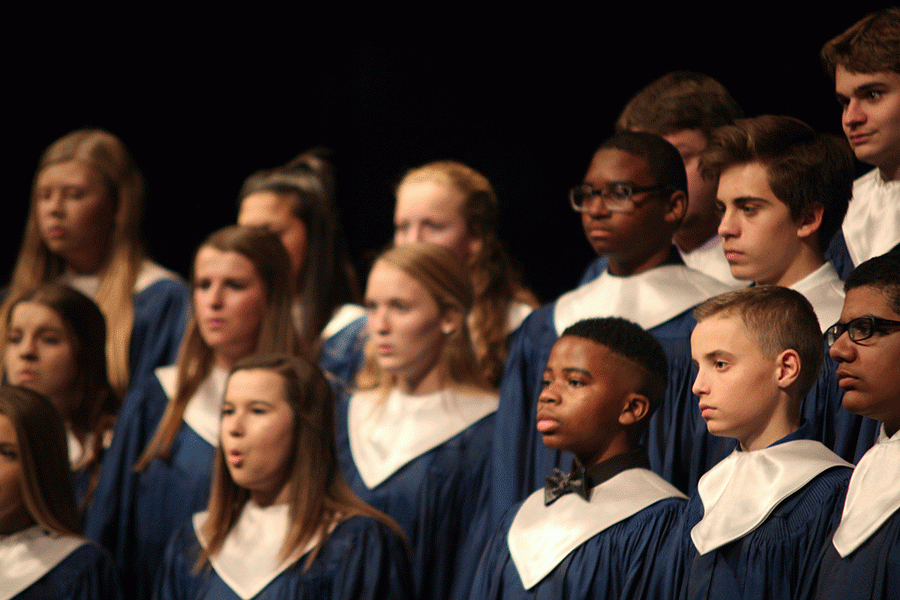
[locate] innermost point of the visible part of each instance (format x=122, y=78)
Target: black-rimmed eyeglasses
x=859, y=329
x=616, y=196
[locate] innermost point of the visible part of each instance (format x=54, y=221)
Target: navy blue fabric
x=594, y=270
x=342, y=354
x=160, y=317
x=361, y=560
x=617, y=563
x=86, y=574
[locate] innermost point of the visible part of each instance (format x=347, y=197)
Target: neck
x=434, y=380
x=806, y=261
x=779, y=426
x=622, y=266
x=890, y=173
x=619, y=444
x=691, y=236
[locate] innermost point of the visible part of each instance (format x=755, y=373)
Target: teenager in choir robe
x=294, y=203
x=783, y=192
x=598, y=531
x=414, y=438
x=631, y=201
x=282, y=521
x=56, y=346
x=755, y=526
x=41, y=554
x=83, y=229
x=864, y=65
x=862, y=560
x=157, y=470
x=455, y=206
x=684, y=107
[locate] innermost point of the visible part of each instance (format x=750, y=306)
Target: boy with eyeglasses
x=635, y=203
x=862, y=560
x=864, y=64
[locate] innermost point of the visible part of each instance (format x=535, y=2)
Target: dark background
x=203, y=100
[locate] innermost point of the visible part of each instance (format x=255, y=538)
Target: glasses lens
x=832, y=334
x=578, y=196
x=861, y=329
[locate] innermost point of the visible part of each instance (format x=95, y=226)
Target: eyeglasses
x=859, y=329
x=616, y=196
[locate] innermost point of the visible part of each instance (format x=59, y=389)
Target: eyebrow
x=569, y=370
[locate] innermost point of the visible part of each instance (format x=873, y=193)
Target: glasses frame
x=611, y=204
x=875, y=325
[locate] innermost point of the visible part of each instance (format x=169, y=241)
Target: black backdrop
x=202, y=100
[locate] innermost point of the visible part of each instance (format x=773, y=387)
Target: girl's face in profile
x=257, y=434
x=14, y=515
x=75, y=214
x=40, y=354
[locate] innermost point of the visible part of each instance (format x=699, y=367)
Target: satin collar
x=250, y=557
x=649, y=298
x=825, y=291
x=387, y=433
x=872, y=224
x=342, y=317
x=709, y=258
x=541, y=537
x=741, y=491
x=28, y=555
x=873, y=495
x=203, y=412
x=149, y=274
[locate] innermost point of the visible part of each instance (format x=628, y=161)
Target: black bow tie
x=560, y=484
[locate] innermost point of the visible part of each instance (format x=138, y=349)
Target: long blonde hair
x=107, y=156
x=277, y=334
x=319, y=495
x=496, y=284
x=443, y=275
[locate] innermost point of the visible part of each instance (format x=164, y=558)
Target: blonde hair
x=108, y=157
x=277, y=334
x=441, y=273
x=46, y=480
x=496, y=284
x=320, y=496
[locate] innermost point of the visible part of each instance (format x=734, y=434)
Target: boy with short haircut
x=596, y=531
x=684, y=107
x=863, y=559
x=755, y=525
x=864, y=64
x=631, y=202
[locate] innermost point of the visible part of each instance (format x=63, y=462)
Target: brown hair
x=679, y=100
x=440, y=272
x=804, y=168
x=320, y=497
x=97, y=404
x=871, y=44
x=195, y=359
x=779, y=319
x=496, y=283
x=43, y=452
x=108, y=157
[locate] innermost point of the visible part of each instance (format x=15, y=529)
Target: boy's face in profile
x=871, y=116
x=585, y=388
x=759, y=236
x=867, y=370
x=632, y=235
x=736, y=382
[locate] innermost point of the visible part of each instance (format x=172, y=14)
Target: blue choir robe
x=36, y=565
x=360, y=559
x=133, y=514
x=659, y=300
x=871, y=226
x=604, y=547
x=862, y=560
x=161, y=304
x=423, y=461
x=756, y=525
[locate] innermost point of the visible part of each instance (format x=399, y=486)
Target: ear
x=451, y=320
x=634, y=408
x=676, y=207
x=787, y=368
x=810, y=221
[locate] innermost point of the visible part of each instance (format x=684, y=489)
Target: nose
x=699, y=387
x=842, y=350
x=595, y=207
x=853, y=114
x=728, y=226
x=216, y=297
x=27, y=348
x=549, y=394
x=233, y=424
x=378, y=321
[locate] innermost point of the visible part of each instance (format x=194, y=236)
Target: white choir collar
x=873, y=495
x=387, y=433
x=741, y=492
x=540, y=537
x=250, y=557
x=149, y=274
x=342, y=317
x=649, y=298
x=825, y=291
x=28, y=555
x=872, y=224
x=203, y=412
